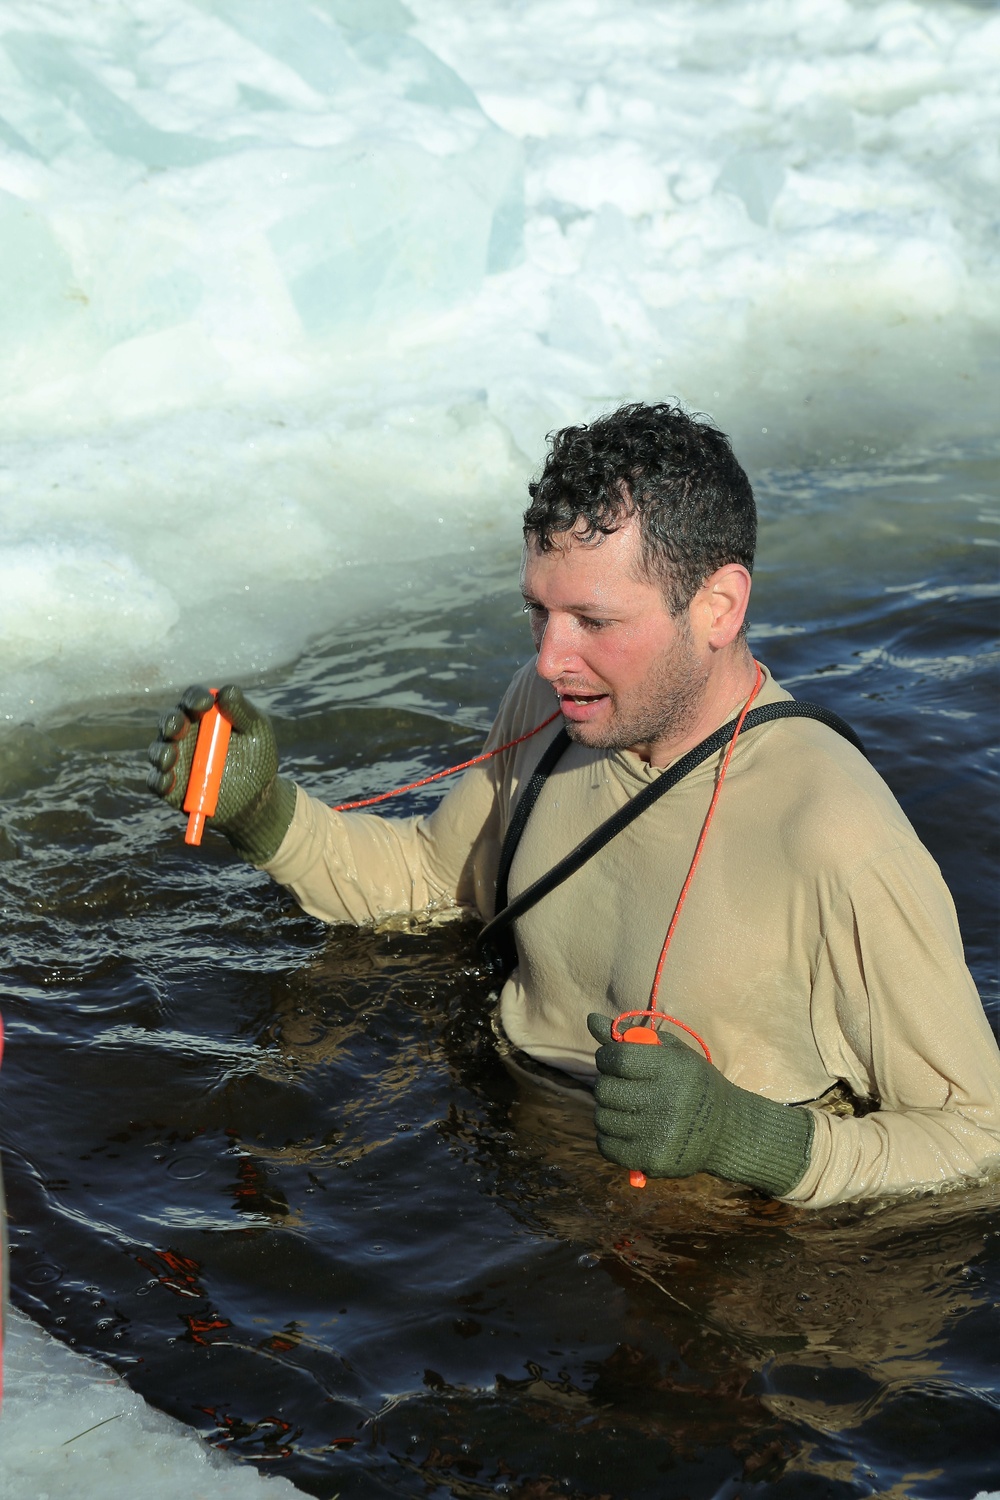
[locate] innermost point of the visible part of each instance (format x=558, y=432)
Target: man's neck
x=730, y=681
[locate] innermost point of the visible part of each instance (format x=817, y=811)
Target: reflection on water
x=281, y=1179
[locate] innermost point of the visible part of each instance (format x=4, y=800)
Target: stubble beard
x=668, y=703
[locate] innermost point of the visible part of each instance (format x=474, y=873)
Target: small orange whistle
x=202, y=797
x=645, y=1034
x=648, y=1035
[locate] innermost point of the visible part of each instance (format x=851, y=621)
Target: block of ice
x=293, y=34
x=506, y=245
x=47, y=64
x=14, y=139
x=72, y=1428
x=756, y=177
x=368, y=15
x=68, y=609
x=391, y=229
x=577, y=325
x=419, y=74
x=37, y=275
x=157, y=370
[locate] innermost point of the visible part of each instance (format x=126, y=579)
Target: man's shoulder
x=826, y=801
x=815, y=758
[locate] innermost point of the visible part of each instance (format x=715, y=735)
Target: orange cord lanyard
x=650, y=1015
x=451, y=771
x=646, y=1032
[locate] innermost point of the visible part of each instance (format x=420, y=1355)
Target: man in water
x=831, y=1043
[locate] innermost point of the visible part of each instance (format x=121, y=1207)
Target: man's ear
x=720, y=605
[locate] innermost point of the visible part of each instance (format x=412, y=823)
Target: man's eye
x=531, y=609
x=590, y=624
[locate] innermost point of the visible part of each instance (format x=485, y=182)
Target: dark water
x=276, y=1175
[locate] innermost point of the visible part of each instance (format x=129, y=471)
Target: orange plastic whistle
x=202, y=796
x=648, y=1035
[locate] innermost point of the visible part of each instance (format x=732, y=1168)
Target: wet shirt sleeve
x=896, y=1014
x=359, y=867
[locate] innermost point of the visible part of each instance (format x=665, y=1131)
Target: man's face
x=626, y=671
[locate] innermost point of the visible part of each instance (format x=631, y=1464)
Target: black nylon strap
x=512, y=837
x=497, y=936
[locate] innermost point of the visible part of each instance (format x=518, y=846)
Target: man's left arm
x=895, y=1012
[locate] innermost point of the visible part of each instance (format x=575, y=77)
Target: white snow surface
x=71, y=1429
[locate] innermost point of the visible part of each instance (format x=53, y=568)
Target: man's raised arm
x=340, y=867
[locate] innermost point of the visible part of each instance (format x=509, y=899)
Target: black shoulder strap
x=496, y=938
x=512, y=837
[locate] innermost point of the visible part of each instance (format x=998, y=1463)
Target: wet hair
x=675, y=471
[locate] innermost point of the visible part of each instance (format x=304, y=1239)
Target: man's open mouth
x=581, y=706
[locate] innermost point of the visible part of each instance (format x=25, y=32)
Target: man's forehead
x=592, y=566
x=581, y=544
x=564, y=552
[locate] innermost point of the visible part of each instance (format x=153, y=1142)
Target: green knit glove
x=255, y=803
x=668, y=1112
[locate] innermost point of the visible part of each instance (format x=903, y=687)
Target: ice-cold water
x=290, y=297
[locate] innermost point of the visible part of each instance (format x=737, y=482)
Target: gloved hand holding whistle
x=668, y=1112
x=255, y=805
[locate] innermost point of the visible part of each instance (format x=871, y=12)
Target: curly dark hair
x=675, y=471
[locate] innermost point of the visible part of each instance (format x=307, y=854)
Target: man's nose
x=557, y=653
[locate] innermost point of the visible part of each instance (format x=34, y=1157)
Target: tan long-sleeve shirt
x=818, y=943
